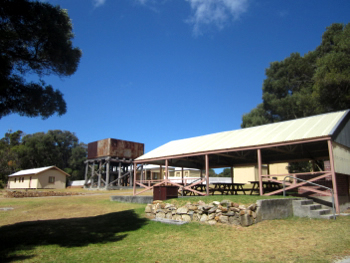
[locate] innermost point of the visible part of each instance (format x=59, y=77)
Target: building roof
x=36, y=171
x=308, y=128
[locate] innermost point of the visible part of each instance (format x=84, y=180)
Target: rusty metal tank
x=115, y=148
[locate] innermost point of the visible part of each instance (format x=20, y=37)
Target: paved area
x=343, y=260
x=169, y=221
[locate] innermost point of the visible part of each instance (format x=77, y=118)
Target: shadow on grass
x=72, y=232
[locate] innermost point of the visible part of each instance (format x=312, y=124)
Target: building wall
x=59, y=179
x=153, y=174
x=188, y=173
x=278, y=168
x=23, y=182
x=343, y=185
x=341, y=159
x=343, y=133
x=243, y=175
x=39, y=181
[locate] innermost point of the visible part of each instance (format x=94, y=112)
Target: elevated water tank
x=115, y=148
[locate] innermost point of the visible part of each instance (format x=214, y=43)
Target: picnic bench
x=267, y=186
x=197, y=187
x=227, y=188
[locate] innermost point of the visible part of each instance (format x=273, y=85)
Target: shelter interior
x=320, y=143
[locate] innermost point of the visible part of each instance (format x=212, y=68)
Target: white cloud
x=150, y=4
x=147, y=2
x=215, y=12
x=142, y=2
x=283, y=13
x=98, y=3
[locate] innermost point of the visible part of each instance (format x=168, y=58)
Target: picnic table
x=268, y=186
x=223, y=188
x=227, y=188
x=197, y=187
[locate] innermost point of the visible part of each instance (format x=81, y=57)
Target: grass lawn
x=91, y=228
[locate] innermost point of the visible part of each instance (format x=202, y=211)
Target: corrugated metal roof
x=287, y=131
x=35, y=171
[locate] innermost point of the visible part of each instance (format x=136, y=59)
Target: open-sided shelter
x=321, y=138
x=49, y=177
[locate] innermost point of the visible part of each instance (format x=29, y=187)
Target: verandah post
x=182, y=175
x=166, y=168
x=207, y=172
x=334, y=178
x=231, y=175
x=261, y=192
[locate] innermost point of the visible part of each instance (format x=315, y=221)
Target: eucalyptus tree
x=301, y=86
x=35, y=38
x=25, y=151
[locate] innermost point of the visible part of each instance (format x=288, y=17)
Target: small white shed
x=49, y=177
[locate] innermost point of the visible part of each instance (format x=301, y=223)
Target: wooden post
x=166, y=168
x=141, y=174
x=119, y=172
x=161, y=172
x=207, y=172
x=134, y=184
x=232, y=175
x=99, y=175
x=334, y=177
x=86, y=173
x=260, y=172
x=92, y=174
x=131, y=175
x=182, y=175
x=107, y=172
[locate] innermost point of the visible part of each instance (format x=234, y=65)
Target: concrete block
x=133, y=199
x=270, y=209
x=169, y=221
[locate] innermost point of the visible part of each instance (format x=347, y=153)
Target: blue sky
x=153, y=71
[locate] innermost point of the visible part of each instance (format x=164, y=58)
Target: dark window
x=51, y=179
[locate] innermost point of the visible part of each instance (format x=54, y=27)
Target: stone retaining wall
x=20, y=194
x=225, y=212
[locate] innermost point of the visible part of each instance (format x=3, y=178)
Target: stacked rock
x=224, y=212
x=20, y=194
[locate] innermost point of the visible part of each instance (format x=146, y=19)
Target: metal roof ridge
x=345, y=113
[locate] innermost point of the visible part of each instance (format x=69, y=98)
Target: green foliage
x=9, y=160
x=287, y=85
x=332, y=77
x=56, y=147
x=36, y=39
x=299, y=167
x=301, y=86
x=212, y=172
x=225, y=173
x=305, y=166
x=257, y=116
